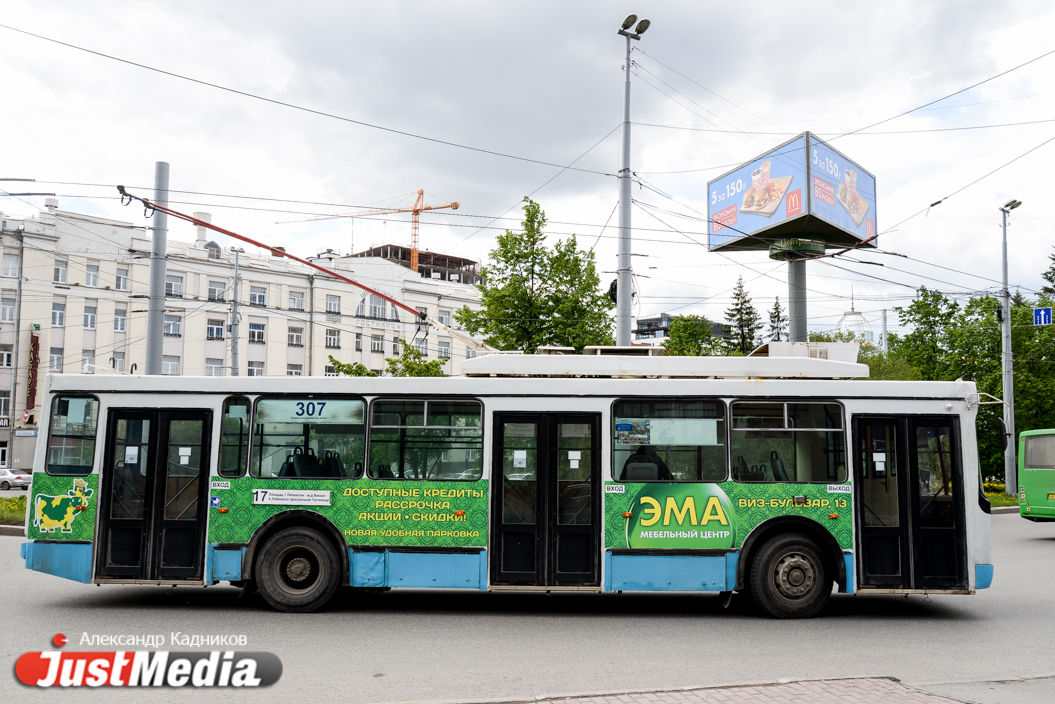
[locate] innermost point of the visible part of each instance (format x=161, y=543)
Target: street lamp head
x=642, y=26
x=629, y=22
x=1012, y=204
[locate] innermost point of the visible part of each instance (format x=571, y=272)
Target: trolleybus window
x=71, y=445
x=234, y=437
x=309, y=437
x=1040, y=452
x=671, y=440
x=788, y=442
x=438, y=440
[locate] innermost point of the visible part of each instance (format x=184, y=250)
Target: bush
x=992, y=487
x=13, y=509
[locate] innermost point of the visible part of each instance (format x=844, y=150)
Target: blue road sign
x=1042, y=316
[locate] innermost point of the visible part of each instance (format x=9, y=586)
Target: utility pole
x=158, y=267
x=234, y=316
x=624, y=271
x=884, y=332
x=20, y=234
x=1010, y=467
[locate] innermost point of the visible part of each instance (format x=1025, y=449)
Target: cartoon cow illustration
x=59, y=511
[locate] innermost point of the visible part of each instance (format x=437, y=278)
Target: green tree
x=533, y=296
x=925, y=348
x=353, y=369
x=412, y=363
x=690, y=336
x=743, y=320
x=778, y=322
x=1049, y=276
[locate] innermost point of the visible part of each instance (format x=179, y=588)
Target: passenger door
x=908, y=484
x=546, y=505
x=153, y=505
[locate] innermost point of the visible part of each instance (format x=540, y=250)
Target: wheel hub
x=794, y=575
x=298, y=569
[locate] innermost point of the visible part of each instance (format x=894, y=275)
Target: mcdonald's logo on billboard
x=793, y=203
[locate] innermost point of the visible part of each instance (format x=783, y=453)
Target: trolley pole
x=234, y=317
x=158, y=267
x=1010, y=467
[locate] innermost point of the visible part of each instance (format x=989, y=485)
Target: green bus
x=1036, y=475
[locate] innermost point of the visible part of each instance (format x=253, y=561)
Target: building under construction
x=431, y=264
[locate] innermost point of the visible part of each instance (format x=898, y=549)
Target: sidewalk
x=840, y=691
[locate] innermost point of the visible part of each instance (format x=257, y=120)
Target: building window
x=5, y=356
x=422, y=311
x=329, y=371
x=117, y=361
x=445, y=317
x=7, y=310
x=256, y=369
x=377, y=343
x=258, y=296
x=395, y=345
x=444, y=349
x=87, y=361
x=173, y=326
x=11, y=265
x=469, y=353
x=360, y=310
x=296, y=300
x=58, y=315
x=91, y=276
x=296, y=337
x=213, y=367
x=120, y=317
x=422, y=346
x=5, y=405
x=377, y=307
x=256, y=333
x=333, y=304
x=55, y=359
x=358, y=342
x=174, y=286
x=214, y=329
x=170, y=365
x=216, y=291
x=60, y=272
x=122, y=280
x=89, y=317
x=294, y=370
x=333, y=339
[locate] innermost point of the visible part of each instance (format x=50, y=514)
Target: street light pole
x=1010, y=466
x=624, y=272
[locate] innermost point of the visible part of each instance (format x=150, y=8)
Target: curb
x=1004, y=509
x=19, y=531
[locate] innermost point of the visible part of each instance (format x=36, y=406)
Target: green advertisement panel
x=372, y=512
x=63, y=508
x=693, y=516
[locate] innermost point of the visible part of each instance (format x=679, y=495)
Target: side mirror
x=1003, y=434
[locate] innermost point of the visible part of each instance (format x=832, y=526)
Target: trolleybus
x=1036, y=475
x=788, y=478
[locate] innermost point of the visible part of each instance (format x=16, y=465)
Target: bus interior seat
x=383, y=472
x=290, y=468
x=779, y=473
x=640, y=472
x=333, y=464
x=306, y=464
x=757, y=473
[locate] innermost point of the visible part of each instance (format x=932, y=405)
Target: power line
x=692, y=128
x=293, y=106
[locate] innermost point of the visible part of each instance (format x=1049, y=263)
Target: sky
x=465, y=99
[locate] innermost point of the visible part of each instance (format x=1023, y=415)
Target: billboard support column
x=797, y=300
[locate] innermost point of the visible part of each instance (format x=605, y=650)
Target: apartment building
x=73, y=300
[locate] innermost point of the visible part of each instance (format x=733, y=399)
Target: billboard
x=803, y=188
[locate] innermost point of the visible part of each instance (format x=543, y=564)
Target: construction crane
x=415, y=210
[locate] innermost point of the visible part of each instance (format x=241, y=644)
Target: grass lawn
x=13, y=509
x=1001, y=499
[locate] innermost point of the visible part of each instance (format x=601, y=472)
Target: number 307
x=310, y=409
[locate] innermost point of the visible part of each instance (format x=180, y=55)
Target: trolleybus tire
x=788, y=578
x=298, y=570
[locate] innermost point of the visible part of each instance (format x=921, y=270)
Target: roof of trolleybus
x=563, y=376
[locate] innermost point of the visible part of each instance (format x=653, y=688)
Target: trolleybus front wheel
x=298, y=570
x=788, y=579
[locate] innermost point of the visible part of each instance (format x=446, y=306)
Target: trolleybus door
x=546, y=506
x=154, y=493
x=910, y=511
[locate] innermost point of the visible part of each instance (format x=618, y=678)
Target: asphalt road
x=418, y=645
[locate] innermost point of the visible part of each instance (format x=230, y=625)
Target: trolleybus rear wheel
x=297, y=570
x=788, y=579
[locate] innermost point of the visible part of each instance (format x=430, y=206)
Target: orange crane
x=415, y=210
